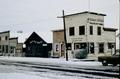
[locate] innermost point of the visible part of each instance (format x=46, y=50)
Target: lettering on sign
x=36, y=42
x=44, y=44
x=77, y=39
x=96, y=21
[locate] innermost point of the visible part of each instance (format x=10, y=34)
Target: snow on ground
x=73, y=63
x=12, y=72
x=51, y=61
x=61, y=62
x=17, y=72
x=19, y=76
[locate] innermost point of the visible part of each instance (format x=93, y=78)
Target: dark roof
x=4, y=32
x=84, y=13
x=109, y=29
x=34, y=37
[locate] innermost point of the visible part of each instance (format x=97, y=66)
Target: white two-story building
x=86, y=30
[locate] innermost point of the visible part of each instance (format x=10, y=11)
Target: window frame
x=91, y=30
x=110, y=45
x=6, y=37
x=71, y=31
x=82, y=32
x=98, y=30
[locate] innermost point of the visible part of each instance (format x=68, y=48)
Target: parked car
x=114, y=60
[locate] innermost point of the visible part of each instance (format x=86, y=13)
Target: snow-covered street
x=48, y=68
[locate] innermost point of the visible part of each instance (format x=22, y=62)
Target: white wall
x=13, y=42
x=81, y=20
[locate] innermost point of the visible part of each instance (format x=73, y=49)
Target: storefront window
x=110, y=45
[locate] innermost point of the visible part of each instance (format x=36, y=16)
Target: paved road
x=72, y=72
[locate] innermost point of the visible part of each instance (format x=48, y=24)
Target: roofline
x=109, y=29
x=31, y=35
x=20, y=43
x=4, y=32
x=57, y=30
x=95, y=13
x=13, y=38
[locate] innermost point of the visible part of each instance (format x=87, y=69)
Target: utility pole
x=119, y=26
x=65, y=39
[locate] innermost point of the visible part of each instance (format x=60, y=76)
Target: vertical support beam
x=119, y=26
x=86, y=30
x=65, y=39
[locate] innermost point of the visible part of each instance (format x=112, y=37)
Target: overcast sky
x=41, y=15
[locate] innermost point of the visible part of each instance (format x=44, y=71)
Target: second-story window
x=81, y=30
x=99, y=30
x=6, y=37
x=91, y=30
x=71, y=31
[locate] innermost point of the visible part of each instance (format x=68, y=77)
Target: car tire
x=104, y=63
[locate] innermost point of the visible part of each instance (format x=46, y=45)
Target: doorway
x=91, y=48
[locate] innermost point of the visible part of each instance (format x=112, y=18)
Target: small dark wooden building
x=36, y=46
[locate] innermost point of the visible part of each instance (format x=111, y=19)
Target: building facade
x=19, y=50
x=58, y=43
x=4, y=42
x=8, y=45
x=36, y=46
x=13, y=44
x=86, y=30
